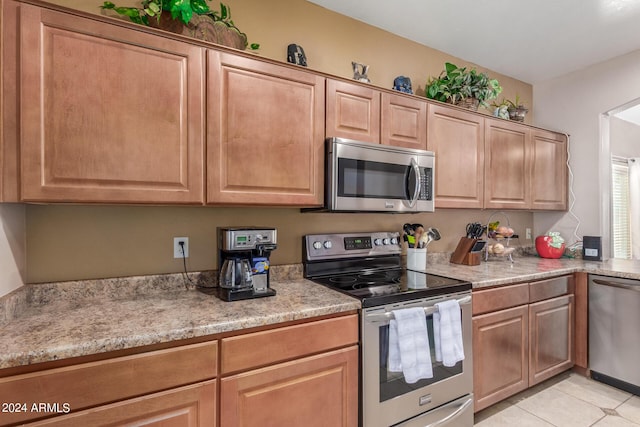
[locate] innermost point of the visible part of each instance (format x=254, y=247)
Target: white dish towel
x=409, y=345
x=447, y=333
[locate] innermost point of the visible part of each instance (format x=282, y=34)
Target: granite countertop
x=58, y=321
x=46, y=322
x=498, y=271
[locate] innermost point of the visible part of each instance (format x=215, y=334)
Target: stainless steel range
x=368, y=266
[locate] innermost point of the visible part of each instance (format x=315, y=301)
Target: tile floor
x=567, y=400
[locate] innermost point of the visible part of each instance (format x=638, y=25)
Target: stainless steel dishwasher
x=614, y=331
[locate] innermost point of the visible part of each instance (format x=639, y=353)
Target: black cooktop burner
x=385, y=287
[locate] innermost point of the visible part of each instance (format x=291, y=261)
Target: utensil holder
x=463, y=254
x=417, y=259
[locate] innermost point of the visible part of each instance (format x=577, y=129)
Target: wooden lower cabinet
x=551, y=335
x=88, y=386
x=523, y=334
x=320, y=390
x=190, y=406
x=500, y=355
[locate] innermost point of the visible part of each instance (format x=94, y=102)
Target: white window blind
x=621, y=232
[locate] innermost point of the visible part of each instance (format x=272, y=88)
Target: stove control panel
x=327, y=246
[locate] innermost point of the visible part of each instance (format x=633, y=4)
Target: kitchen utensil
x=418, y=235
x=432, y=234
x=474, y=230
x=478, y=246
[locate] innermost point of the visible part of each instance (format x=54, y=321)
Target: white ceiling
x=529, y=40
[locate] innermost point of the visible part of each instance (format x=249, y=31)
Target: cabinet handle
x=617, y=285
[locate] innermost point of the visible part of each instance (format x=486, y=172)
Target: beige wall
x=12, y=247
x=80, y=242
x=575, y=103
x=331, y=41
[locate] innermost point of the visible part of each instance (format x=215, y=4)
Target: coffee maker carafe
x=243, y=262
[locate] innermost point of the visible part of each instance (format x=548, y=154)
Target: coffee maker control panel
x=244, y=239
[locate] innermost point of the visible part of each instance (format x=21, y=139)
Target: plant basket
x=204, y=28
x=469, y=103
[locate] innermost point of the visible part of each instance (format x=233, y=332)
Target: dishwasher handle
x=615, y=284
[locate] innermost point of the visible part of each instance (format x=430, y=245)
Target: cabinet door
x=549, y=180
x=457, y=138
x=108, y=114
x=551, y=332
x=404, y=121
x=353, y=112
x=9, y=103
x=265, y=136
x=507, y=165
x=500, y=355
x=315, y=391
x=191, y=406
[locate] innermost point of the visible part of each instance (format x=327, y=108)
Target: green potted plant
x=189, y=17
x=459, y=86
x=517, y=111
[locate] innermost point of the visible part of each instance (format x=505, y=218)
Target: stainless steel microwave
x=369, y=177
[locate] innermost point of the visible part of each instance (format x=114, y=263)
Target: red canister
x=545, y=250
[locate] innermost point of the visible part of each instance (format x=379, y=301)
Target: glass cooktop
x=389, y=286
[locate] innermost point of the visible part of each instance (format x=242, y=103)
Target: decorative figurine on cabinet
x=360, y=72
x=402, y=84
x=295, y=55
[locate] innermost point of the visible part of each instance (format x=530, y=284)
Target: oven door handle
x=381, y=317
x=416, y=193
x=460, y=408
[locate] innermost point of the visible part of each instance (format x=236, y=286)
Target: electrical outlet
x=528, y=233
x=177, y=248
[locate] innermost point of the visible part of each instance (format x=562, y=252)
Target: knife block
x=463, y=255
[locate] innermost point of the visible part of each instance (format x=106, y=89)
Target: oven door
x=387, y=398
x=380, y=178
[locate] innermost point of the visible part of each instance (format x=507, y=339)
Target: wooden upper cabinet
x=265, y=133
x=457, y=138
x=549, y=180
x=9, y=131
x=507, y=165
x=404, y=121
x=108, y=114
x=353, y=112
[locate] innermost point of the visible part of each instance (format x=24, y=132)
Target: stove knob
x=327, y=244
x=377, y=242
x=385, y=241
x=394, y=240
x=317, y=245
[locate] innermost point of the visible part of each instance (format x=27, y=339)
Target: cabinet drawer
x=267, y=347
x=106, y=381
x=551, y=288
x=189, y=406
x=494, y=299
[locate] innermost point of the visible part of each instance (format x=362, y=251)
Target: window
x=621, y=231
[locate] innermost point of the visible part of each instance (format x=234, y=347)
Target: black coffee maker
x=243, y=262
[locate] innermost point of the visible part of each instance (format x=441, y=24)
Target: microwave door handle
x=416, y=170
